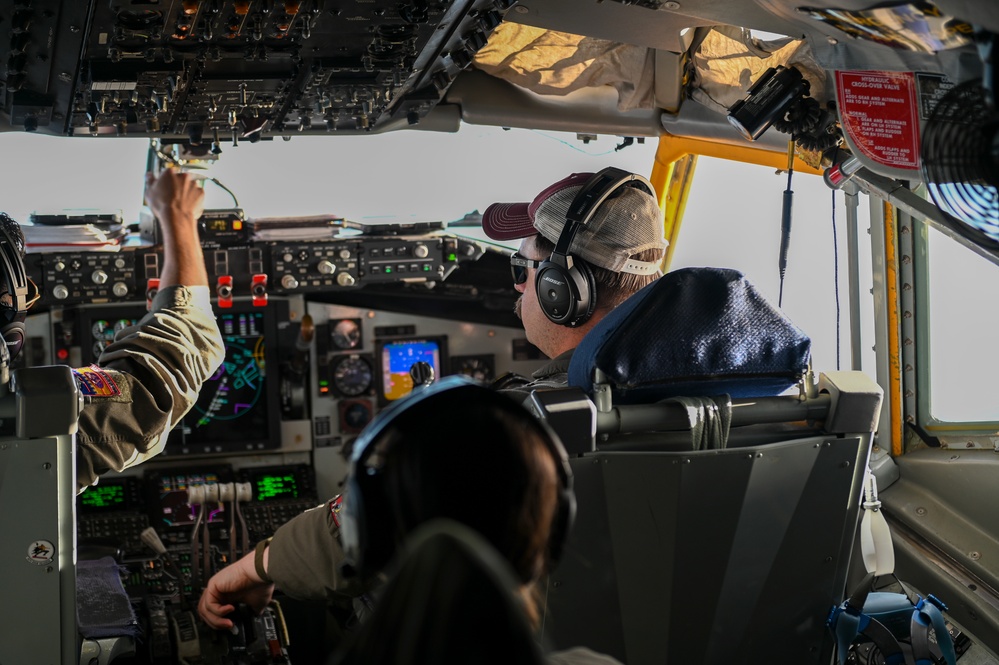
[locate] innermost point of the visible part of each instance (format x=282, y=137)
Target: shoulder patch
x=96, y=382
x=335, y=504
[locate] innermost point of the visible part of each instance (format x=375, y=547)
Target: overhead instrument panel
x=213, y=72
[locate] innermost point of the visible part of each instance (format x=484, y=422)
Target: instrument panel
x=303, y=376
x=216, y=73
x=362, y=360
x=254, y=270
x=234, y=510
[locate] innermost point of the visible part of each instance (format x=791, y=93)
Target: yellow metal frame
x=894, y=329
x=673, y=172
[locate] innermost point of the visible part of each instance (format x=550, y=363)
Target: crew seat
x=718, y=485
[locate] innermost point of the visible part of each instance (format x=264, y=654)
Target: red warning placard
x=879, y=114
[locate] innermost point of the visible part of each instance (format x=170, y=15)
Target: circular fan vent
x=960, y=158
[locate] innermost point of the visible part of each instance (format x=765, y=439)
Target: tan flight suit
x=145, y=381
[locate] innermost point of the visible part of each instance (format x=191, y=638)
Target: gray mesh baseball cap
x=627, y=224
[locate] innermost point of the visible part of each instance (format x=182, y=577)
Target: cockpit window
x=409, y=175
x=733, y=220
x=958, y=325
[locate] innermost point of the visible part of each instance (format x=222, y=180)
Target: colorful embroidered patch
x=95, y=382
x=335, y=505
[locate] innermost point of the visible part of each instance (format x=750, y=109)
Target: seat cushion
x=695, y=332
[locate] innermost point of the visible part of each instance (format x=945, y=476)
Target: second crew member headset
x=565, y=286
x=368, y=526
x=13, y=286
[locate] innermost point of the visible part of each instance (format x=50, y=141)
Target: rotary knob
x=344, y=254
x=289, y=282
x=422, y=373
x=120, y=289
x=60, y=292
x=420, y=251
x=326, y=267
x=59, y=266
x=345, y=279
x=99, y=277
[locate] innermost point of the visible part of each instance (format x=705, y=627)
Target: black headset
x=14, y=282
x=564, y=284
x=368, y=528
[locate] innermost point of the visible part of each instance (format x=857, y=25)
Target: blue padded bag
x=693, y=332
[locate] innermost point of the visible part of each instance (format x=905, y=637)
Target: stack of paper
x=73, y=237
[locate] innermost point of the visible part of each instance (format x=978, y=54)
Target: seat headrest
x=694, y=332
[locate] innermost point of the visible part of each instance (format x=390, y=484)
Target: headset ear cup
x=590, y=301
x=368, y=527
x=351, y=521
x=15, y=286
x=565, y=294
x=565, y=511
x=13, y=336
x=565, y=515
x=552, y=285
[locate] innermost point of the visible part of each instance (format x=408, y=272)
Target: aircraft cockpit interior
x=781, y=450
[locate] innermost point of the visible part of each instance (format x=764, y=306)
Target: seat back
x=38, y=517
x=729, y=552
x=732, y=556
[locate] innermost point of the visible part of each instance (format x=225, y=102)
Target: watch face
x=480, y=367
x=352, y=375
x=346, y=334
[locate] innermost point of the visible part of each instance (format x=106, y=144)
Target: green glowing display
x=280, y=486
x=103, y=496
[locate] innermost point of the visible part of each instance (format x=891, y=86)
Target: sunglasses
x=519, y=266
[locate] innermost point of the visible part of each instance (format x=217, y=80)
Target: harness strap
x=927, y=613
x=875, y=537
x=848, y=623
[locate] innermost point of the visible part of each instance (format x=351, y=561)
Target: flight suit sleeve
x=305, y=556
x=145, y=381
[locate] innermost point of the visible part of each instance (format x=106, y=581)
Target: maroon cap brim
x=507, y=221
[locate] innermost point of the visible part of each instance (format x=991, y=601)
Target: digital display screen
x=234, y=403
x=238, y=407
x=175, y=511
x=270, y=486
x=103, y=496
x=396, y=357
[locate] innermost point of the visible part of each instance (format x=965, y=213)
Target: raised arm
x=144, y=382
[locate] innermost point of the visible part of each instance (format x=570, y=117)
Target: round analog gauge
x=480, y=368
x=354, y=415
x=352, y=375
x=346, y=334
